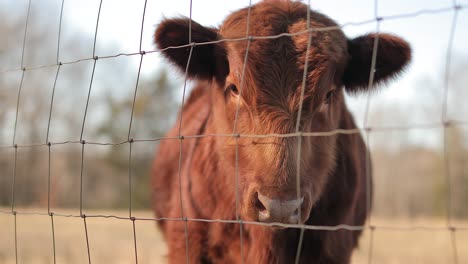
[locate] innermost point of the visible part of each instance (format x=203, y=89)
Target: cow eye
x=233, y=89
x=329, y=96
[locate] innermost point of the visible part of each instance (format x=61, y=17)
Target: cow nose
x=276, y=210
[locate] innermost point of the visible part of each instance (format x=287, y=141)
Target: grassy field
x=111, y=240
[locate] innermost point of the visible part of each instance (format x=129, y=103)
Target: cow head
x=265, y=95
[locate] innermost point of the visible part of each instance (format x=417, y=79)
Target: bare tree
x=418, y=171
x=107, y=118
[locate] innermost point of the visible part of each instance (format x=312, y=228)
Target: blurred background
x=412, y=154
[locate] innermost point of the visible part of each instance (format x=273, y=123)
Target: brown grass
x=422, y=240
x=111, y=240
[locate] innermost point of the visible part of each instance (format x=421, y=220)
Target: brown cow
x=332, y=170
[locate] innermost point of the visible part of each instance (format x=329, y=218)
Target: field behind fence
x=111, y=240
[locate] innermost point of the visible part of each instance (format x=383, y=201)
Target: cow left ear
x=393, y=54
x=205, y=61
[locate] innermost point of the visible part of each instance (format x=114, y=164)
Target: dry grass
x=401, y=242
x=111, y=240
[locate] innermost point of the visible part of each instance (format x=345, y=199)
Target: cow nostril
x=296, y=212
x=258, y=204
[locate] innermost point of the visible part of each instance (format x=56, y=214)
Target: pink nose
x=275, y=210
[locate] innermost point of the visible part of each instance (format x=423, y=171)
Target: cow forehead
x=275, y=18
x=276, y=65
x=283, y=59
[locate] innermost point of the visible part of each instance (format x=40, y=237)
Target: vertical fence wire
x=59, y=32
x=25, y=34
x=130, y=140
x=13, y=190
x=96, y=30
x=13, y=179
x=298, y=130
x=49, y=164
x=81, y=176
x=88, y=98
x=49, y=168
x=16, y=237
x=446, y=125
x=371, y=244
x=23, y=69
x=48, y=178
x=368, y=129
x=190, y=24
x=49, y=212
x=18, y=100
x=95, y=58
x=130, y=190
x=235, y=133
x=53, y=236
x=142, y=53
x=302, y=230
x=143, y=24
x=367, y=110
x=52, y=103
x=83, y=142
x=181, y=138
x=134, y=239
x=134, y=97
x=87, y=238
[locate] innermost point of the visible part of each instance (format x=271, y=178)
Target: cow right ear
x=207, y=61
x=393, y=54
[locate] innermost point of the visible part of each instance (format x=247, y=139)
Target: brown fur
x=332, y=168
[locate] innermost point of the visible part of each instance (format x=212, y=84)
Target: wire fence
x=365, y=130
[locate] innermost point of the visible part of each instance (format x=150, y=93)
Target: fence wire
x=365, y=129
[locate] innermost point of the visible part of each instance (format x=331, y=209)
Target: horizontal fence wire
x=447, y=124
x=234, y=221
x=344, y=25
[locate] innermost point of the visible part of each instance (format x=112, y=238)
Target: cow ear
x=393, y=54
x=207, y=60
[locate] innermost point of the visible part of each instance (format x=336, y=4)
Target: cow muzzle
x=276, y=210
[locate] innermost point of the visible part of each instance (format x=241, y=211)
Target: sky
x=120, y=23
x=120, y=26
x=428, y=34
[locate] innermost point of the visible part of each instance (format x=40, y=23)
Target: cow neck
x=205, y=113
